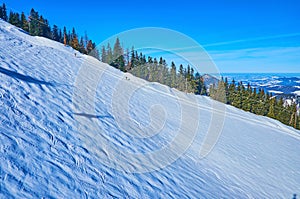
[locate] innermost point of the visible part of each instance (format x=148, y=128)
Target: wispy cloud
x=252, y=39
x=199, y=47
x=244, y=57
x=273, y=59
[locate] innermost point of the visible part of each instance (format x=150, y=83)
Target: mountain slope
x=62, y=116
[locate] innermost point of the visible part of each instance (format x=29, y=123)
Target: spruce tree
x=75, y=42
x=109, y=54
x=61, y=38
x=81, y=46
x=33, y=23
x=89, y=46
x=65, y=36
x=117, y=51
x=127, y=59
x=103, y=55
x=94, y=52
x=173, y=75
x=24, y=23
x=219, y=92
x=1, y=12
x=55, y=35
x=4, y=12
x=271, y=112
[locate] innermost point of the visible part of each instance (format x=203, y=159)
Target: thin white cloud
x=252, y=39
x=258, y=60
x=275, y=59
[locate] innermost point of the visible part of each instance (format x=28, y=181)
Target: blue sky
x=240, y=36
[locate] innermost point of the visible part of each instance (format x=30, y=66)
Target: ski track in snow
x=42, y=154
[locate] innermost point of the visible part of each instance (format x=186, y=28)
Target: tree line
x=250, y=99
x=157, y=70
x=37, y=25
x=255, y=101
x=153, y=69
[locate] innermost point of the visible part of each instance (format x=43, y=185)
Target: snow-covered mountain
x=73, y=127
x=276, y=83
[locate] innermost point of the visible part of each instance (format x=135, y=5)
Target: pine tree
x=14, y=19
x=44, y=29
x=69, y=38
x=103, y=55
x=233, y=94
x=119, y=63
x=89, y=46
x=117, y=51
x=61, y=38
x=24, y=23
x=3, y=12
x=271, y=112
x=127, y=59
x=173, y=75
x=33, y=23
x=203, y=89
x=65, y=36
x=55, y=35
x=109, y=54
x=94, y=52
x=81, y=46
x=181, y=69
x=74, y=40
x=85, y=39
x=293, y=115
x=118, y=56
x=219, y=93
x=132, y=59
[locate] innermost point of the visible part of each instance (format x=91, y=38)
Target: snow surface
x=276, y=92
x=45, y=154
x=297, y=92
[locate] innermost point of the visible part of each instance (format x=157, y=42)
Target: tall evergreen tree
x=3, y=12
x=119, y=62
x=117, y=51
x=109, y=54
x=75, y=42
x=24, y=22
x=127, y=58
x=65, y=36
x=81, y=46
x=173, y=75
x=89, y=46
x=271, y=112
x=61, y=38
x=14, y=19
x=34, y=23
x=181, y=69
x=103, y=55
x=94, y=52
x=55, y=35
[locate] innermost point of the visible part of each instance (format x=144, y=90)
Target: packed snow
x=51, y=149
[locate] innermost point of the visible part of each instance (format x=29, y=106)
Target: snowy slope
x=54, y=143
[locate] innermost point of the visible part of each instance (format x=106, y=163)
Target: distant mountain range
x=276, y=83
